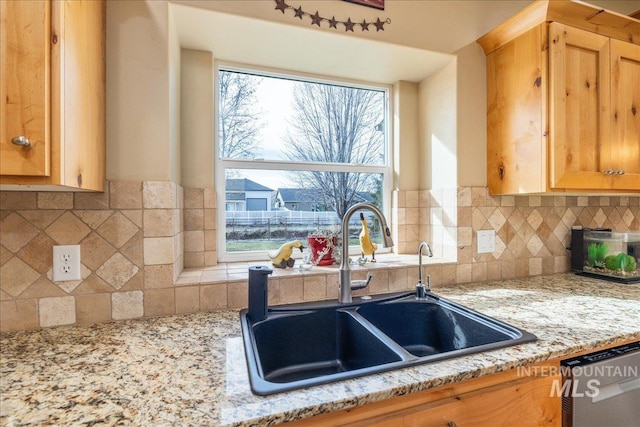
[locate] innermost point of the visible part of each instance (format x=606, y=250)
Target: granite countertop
x=191, y=370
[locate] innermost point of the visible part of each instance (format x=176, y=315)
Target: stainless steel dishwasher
x=602, y=389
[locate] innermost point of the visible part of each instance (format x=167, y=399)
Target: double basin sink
x=301, y=345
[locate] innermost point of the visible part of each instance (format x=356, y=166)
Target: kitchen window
x=293, y=153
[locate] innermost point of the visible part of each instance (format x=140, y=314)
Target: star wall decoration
x=316, y=19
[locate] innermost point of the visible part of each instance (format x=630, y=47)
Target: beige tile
x=194, y=259
x=125, y=194
x=508, y=269
x=210, y=219
x=210, y=201
x=92, y=200
x=314, y=288
x=158, y=222
x=479, y=272
x=134, y=215
x=117, y=271
x=57, y=311
x=133, y=249
x=42, y=288
x=159, y=302
x=135, y=283
x=93, y=308
x=412, y=199
x=193, y=219
x=291, y=290
x=398, y=279
x=522, y=267
x=158, y=276
x=118, y=229
x=464, y=196
x=17, y=315
x=15, y=232
x=535, y=266
x=94, y=251
x=38, y=253
x=127, y=305
x=210, y=258
x=463, y=273
x=41, y=218
x=494, y=270
x=55, y=200
x=193, y=198
x=237, y=295
x=93, y=218
x=158, y=250
x=187, y=299
x=449, y=272
x=16, y=276
x=92, y=285
x=194, y=241
x=68, y=230
x=213, y=297
x=17, y=200
x=412, y=216
x=158, y=195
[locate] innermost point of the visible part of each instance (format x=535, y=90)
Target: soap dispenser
x=258, y=293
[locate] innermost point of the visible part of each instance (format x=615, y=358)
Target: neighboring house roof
x=244, y=184
x=290, y=195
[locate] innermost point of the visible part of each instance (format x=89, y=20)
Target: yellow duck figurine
x=367, y=246
x=281, y=258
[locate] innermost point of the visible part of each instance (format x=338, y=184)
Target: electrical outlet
x=66, y=263
x=486, y=241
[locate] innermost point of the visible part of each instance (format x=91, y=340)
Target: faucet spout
x=423, y=288
x=344, y=280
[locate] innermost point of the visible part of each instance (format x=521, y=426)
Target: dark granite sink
x=302, y=345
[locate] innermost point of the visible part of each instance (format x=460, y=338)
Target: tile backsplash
x=136, y=237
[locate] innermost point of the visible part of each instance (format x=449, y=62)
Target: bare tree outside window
x=239, y=117
x=336, y=124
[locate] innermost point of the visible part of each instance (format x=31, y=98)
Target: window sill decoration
x=349, y=25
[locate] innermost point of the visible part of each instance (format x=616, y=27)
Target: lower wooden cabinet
x=508, y=399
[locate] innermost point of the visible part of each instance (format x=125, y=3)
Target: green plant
x=596, y=253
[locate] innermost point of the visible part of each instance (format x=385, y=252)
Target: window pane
x=265, y=208
x=273, y=118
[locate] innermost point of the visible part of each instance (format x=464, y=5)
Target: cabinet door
x=579, y=115
x=24, y=87
x=625, y=115
x=528, y=402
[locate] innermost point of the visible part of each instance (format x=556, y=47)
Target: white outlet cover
x=486, y=241
x=66, y=263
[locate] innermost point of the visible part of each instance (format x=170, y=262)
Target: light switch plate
x=486, y=241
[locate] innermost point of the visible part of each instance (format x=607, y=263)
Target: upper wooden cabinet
x=52, y=91
x=563, y=93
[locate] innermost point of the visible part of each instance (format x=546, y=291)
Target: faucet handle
x=423, y=288
x=361, y=284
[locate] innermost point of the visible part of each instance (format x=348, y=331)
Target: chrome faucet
x=423, y=288
x=344, y=281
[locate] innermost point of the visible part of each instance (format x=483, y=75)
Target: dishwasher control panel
x=609, y=353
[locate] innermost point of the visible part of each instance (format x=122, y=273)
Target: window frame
x=220, y=164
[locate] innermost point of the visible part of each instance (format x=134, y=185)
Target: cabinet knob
x=452, y=424
x=609, y=172
x=23, y=141
x=620, y=172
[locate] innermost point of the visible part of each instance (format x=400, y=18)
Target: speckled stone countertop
x=190, y=370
